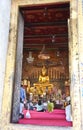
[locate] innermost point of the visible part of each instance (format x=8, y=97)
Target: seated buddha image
x=43, y=78
x=43, y=83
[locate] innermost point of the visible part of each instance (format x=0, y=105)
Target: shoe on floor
x=21, y=116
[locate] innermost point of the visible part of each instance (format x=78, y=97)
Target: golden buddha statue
x=43, y=83
x=43, y=78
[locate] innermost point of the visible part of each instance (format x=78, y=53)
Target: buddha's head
x=43, y=71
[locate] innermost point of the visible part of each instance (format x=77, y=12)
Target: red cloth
x=55, y=118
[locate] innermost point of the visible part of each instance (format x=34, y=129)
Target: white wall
x=5, y=6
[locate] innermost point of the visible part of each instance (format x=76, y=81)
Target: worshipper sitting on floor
x=39, y=106
x=45, y=104
x=22, y=101
x=68, y=109
x=50, y=106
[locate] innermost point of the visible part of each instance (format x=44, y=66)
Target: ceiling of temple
x=46, y=25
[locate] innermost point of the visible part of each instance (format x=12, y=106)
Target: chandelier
x=43, y=54
x=30, y=59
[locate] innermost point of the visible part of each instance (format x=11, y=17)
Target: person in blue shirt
x=22, y=101
x=22, y=94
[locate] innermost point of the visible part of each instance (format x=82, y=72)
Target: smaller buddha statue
x=44, y=78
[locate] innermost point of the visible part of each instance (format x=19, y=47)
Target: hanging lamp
x=30, y=59
x=43, y=54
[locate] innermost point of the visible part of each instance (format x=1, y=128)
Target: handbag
x=28, y=115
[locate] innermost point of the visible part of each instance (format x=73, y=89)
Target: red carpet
x=55, y=118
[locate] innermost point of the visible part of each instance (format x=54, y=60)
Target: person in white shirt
x=39, y=106
x=68, y=109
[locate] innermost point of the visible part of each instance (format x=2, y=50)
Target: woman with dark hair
x=39, y=106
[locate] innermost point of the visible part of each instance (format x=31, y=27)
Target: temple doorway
x=45, y=44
